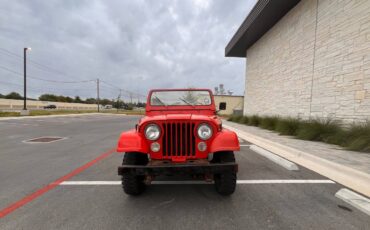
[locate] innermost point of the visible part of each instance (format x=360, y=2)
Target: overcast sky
x=134, y=45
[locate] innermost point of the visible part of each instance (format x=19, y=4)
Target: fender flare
x=225, y=140
x=132, y=141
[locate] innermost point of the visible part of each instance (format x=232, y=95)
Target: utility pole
x=131, y=98
x=97, y=93
x=119, y=95
x=25, y=81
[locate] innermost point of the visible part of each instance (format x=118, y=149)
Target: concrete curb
x=354, y=179
x=354, y=199
x=58, y=115
x=275, y=158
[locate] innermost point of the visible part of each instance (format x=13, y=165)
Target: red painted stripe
x=52, y=185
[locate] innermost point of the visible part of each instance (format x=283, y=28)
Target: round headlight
x=152, y=132
x=204, y=131
x=155, y=147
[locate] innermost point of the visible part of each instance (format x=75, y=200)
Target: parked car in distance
x=50, y=107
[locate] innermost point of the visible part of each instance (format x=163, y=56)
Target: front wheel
x=131, y=183
x=225, y=183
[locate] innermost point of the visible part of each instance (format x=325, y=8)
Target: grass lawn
x=9, y=114
x=58, y=112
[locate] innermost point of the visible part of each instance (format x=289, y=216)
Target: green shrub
x=231, y=118
x=238, y=118
x=268, y=122
x=235, y=118
x=244, y=120
x=287, y=126
x=318, y=130
x=358, y=137
x=254, y=120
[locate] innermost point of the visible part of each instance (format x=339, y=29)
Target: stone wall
x=315, y=62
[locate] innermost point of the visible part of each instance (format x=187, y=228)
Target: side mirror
x=222, y=106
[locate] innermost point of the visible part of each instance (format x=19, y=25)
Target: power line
x=9, y=53
x=46, y=89
x=58, y=89
x=42, y=79
x=46, y=68
x=126, y=91
x=35, y=64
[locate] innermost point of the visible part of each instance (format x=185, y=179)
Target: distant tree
x=77, y=99
x=69, y=99
x=2, y=96
x=91, y=101
x=140, y=104
x=190, y=97
x=118, y=104
x=48, y=97
x=129, y=106
x=105, y=102
x=13, y=95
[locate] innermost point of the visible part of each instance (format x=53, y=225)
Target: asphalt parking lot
x=30, y=198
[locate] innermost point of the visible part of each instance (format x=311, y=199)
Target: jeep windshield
x=180, y=97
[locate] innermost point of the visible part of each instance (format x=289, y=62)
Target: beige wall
x=313, y=68
x=232, y=102
x=9, y=104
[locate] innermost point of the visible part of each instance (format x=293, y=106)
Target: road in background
x=25, y=168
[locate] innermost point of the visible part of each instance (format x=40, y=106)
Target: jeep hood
x=186, y=117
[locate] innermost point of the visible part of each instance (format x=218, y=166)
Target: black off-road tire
x=131, y=183
x=225, y=183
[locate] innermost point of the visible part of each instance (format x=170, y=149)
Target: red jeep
x=180, y=134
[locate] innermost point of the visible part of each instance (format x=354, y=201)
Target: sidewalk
x=347, y=167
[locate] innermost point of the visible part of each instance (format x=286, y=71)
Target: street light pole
x=25, y=78
x=97, y=93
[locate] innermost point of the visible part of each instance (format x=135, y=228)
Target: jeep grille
x=178, y=139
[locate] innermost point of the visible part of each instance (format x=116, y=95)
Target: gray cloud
x=135, y=45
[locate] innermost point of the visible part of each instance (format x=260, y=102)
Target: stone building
x=308, y=58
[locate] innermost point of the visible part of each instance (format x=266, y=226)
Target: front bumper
x=175, y=168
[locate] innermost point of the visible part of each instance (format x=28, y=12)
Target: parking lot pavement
x=259, y=204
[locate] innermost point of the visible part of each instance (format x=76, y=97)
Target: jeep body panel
x=178, y=139
x=132, y=141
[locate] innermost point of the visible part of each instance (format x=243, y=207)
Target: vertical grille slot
x=178, y=139
x=192, y=140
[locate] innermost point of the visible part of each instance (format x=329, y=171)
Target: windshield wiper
x=159, y=100
x=186, y=101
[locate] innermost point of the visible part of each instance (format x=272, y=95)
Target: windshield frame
x=186, y=103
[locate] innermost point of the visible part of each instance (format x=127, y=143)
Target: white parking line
x=245, y=145
x=204, y=182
